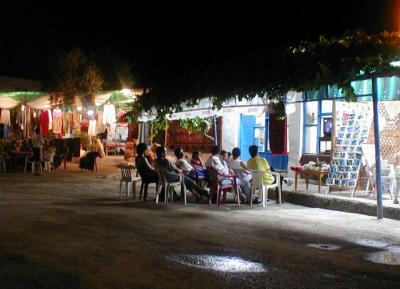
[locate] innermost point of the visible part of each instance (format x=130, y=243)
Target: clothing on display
x=76, y=119
x=92, y=127
x=57, y=121
x=109, y=114
x=100, y=126
x=44, y=122
x=50, y=119
x=5, y=116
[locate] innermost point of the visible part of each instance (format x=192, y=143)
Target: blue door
x=247, y=124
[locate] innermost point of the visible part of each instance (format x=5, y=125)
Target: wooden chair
x=217, y=187
x=257, y=183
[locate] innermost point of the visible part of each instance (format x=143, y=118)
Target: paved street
x=69, y=229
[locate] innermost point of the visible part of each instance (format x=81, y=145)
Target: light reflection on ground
x=219, y=263
x=384, y=257
x=323, y=246
x=370, y=243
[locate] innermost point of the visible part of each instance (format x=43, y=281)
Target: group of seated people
x=194, y=171
x=12, y=152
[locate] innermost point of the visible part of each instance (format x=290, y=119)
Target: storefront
x=239, y=123
x=346, y=132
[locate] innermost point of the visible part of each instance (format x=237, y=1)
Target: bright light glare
x=126, y=91
x=219, y=263
x=395, y=63
x=79, y=108
x=90, y=112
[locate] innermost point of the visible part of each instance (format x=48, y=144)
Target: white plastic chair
x=257, y=183
x=388, y=179
x=169, y=187
x=130, y=181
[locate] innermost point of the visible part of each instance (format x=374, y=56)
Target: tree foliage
x=73, y=74
x=302, y=67
x=197, y=125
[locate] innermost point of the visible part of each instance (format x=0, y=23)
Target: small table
x=307, y=173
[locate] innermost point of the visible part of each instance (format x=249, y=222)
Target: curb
x=337, y=204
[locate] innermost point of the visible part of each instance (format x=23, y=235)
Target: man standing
x=37, y=143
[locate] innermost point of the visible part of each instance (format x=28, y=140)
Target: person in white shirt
x=181, y=162
x=37, y=143
x=242, y=172
x=222, y=168
x=215, y=162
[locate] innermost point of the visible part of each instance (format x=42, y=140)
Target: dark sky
x=163, y=39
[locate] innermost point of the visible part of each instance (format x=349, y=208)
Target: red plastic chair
x=217, y=187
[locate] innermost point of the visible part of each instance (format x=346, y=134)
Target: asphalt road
x=70, y=230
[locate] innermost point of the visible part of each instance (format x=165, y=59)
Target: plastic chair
x=217, y=187
x=257, y=183
x=28, y=160
x=145, y=184
x=388, y=178
x=162, y=182
x=130, y=181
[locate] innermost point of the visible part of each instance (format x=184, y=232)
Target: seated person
x=181, y=161
x=241, y=170
x=172, y=173
x=194, y=172
x=196, y=160
x=220, y=165
x=259, y=163
x=235, y=162
x=49, y=151
x=151, y=153
x=88, y=161
x=215, y=162
x=145, y=169
x=25, y=146
x=224, y=160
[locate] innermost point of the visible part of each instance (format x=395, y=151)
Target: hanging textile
x=50, y=119
x=92, y=127
x=100, y=126
x=109, y=114
x=44, y=123
x=57, y=121
x=5, y=116
x=277, y=135
x=76, y=119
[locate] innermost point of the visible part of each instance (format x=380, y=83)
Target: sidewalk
x=339, y=200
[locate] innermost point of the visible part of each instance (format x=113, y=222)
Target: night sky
x=161, y=40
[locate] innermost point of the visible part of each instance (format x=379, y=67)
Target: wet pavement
x=70, y=230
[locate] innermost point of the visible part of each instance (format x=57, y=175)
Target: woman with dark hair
x=143, y=166
x=242, y=172
x=196, y=160
x=259, y=163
